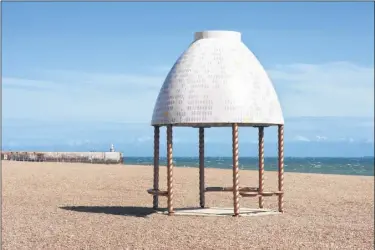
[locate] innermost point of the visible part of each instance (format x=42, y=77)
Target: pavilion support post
x=155, y=201
x=201, y=168
x=170, y=169
x=281, y=166
x=236, y=189
x=261, y=164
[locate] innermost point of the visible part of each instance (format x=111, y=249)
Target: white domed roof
x=217, y=81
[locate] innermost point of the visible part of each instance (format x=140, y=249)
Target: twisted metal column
x=236, y=189
x=170, y=169
x=156, y=165
x=261, y=164
x=281, y=166
x=201, y=168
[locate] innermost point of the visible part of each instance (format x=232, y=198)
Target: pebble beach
x=93, y=206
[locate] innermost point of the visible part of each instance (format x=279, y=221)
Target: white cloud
x=26, y=84
x=144, y=139
x=348, y=139
x=77, y=142
x=162, y=69
x=320, y=138
x=371, y=141
x=108, y=82
x=70, y=95
x=331, y=89
x=301, y=138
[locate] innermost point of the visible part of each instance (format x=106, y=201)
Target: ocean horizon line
x=302, y=157
x=363, y=166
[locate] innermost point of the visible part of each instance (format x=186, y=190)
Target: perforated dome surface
x=217, y=81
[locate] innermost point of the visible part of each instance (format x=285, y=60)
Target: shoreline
x=241, y=170
x=196, y=167
x=341, y=166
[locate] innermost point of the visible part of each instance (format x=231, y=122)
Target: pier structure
x=82, y=157
x=218, y=82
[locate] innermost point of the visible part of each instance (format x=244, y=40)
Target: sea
x=320, y=165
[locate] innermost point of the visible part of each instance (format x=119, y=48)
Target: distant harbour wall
x=84, y=157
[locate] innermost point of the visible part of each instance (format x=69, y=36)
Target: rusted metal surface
x=156, y=165
x=82, y=157
x=236, y=188
x=201, y=168
x=170, y=169
x=281, y=166
x=261, y=164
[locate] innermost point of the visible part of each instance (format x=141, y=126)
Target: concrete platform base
x=220, y=211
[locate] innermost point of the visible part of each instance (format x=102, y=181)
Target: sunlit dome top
x=217, y=81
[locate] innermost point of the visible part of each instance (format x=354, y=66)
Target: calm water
x=323, y=165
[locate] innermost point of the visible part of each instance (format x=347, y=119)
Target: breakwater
x=84, y=157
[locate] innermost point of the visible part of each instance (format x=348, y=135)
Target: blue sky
x=79, y=76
